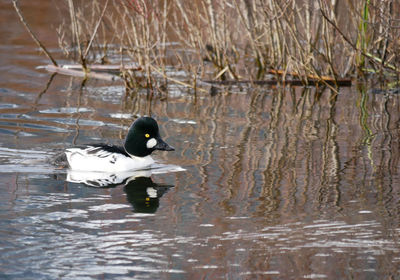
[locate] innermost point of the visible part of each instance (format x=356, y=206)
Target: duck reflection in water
x=142, y=193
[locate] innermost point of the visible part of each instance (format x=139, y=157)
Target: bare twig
x=95, y=30
x=234, y=39
x=366, y=54
x=75, y=31
x=36, y=39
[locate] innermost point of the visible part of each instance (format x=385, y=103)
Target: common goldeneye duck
x=142, y=139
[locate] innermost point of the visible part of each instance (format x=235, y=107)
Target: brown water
x=279, y=184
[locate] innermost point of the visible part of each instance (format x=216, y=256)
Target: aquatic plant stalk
x=362, y=35
x=236, y=40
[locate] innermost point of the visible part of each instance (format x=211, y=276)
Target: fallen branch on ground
x=105, y=68
x=80, y=73
x=314, y=79
x=294, y=82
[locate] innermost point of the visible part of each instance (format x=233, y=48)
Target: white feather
x=151, y=192
x=88, y=159
x=151, y=143
x=104, y=179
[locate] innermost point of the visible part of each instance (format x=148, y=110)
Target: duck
x=142, y=139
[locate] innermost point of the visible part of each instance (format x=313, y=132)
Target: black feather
x=108, y=148
x=59, y=160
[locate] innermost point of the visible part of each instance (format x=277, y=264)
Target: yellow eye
x=147, y=135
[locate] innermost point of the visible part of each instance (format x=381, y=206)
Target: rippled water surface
x=279, y=183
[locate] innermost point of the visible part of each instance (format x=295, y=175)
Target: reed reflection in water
x=279, y=182
x=287, y=150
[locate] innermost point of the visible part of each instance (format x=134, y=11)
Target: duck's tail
x=59, y=160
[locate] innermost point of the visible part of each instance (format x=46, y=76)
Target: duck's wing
x=98, y=150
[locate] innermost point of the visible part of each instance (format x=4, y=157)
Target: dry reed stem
x=240, y=40
x=95, y=30
x=34, y=37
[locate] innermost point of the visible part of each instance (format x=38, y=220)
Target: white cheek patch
x=151, y=192
x=151, y=143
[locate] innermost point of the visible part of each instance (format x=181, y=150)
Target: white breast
x=104, y=161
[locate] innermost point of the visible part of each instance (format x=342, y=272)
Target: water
x=279, y=183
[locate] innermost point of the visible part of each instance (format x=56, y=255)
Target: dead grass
x=235, y=40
